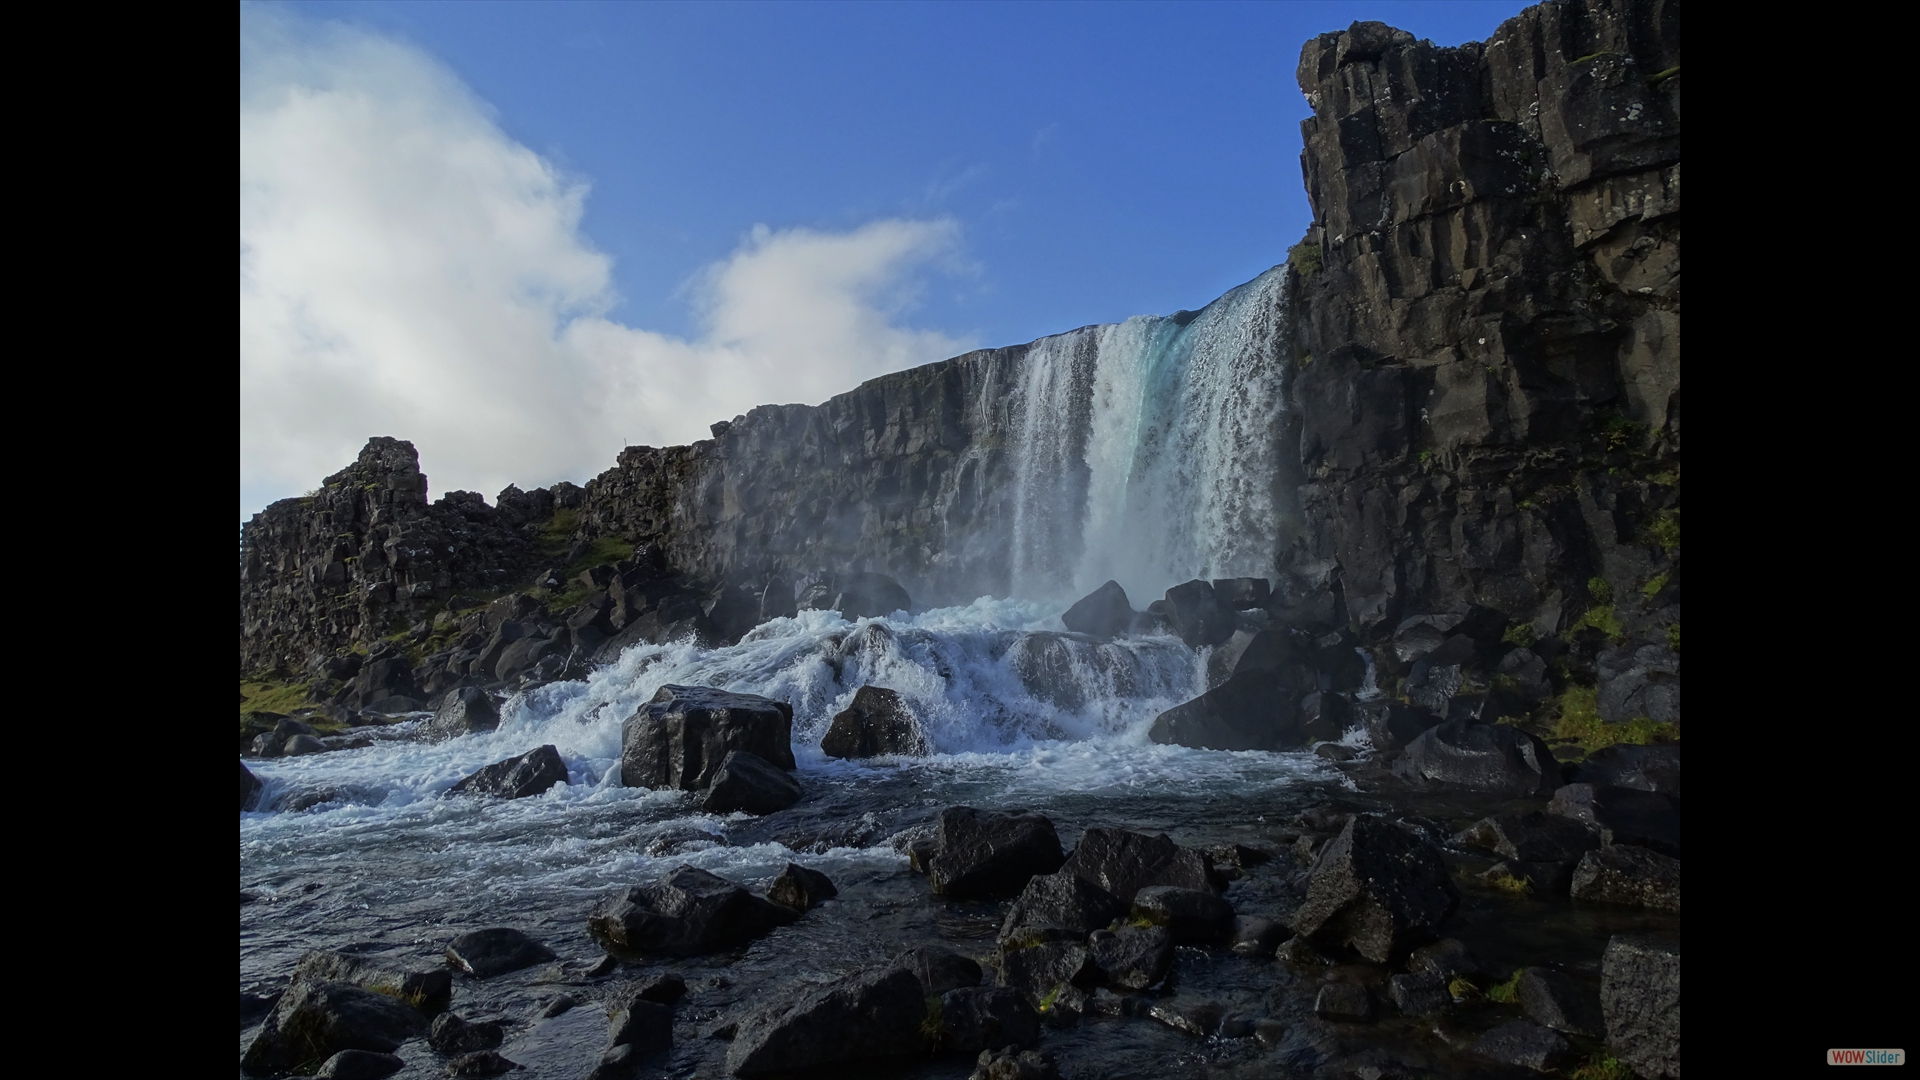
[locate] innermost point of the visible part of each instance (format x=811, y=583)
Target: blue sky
x=677, y=183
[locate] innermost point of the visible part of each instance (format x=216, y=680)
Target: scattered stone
x=1622, y=815
x=1532, y=837
x=1123, y=863
x=865, y=1015
x=359, y=1065
x=1525, y=1044
x=452, y=1035
x=250, y=788
x=1256, y=936
x=1104, y=1002
x=532, y=773
x=679, y=739
x=800, y=888
x=1132, y=957
x=1493, y=758
x=1448, y=959
x=976, y=1018
x=1193, y=1016
x=1058, y=907
x=466, y=710
x=1104, y=612
x=1039, y=971
x=496, y=951
x=1008, y=1065
x=1193, y=916
x=1344, y=1001
x=317, y=1019
x=877, y=722
x=428, y=989
x=1640, y=999
x=744, y=781
x=1642, y=768
x=1555, y=1000
x=979, y=854
x=480, y=1063
x=1378, y=889
x=940, y=969
x=1629, y=875
x=1419, y=993
x=687, y=911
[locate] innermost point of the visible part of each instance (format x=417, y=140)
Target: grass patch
x=1305, y=259
x=1601, y=617
x=1580, y=722
x=933, y=1027
x=1507, y=883
x=272, y=696
x=1508, y=992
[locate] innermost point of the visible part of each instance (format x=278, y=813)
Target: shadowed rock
x=1644, y=768
x=1640, y=999
x=1629, y=875
x=939, y=969
x=1525, y=1044
x=977, y=1018
x=452, y=1035
x=866, y=1015
x=868, y=594
x=250, y=788
x=1556, y=1000
x=1104, y=612
x=495, y=951
x=679, y=739
x=1039, y=970
x=466, y=710
x=1532, y=837
x=687, y=911
x=315, y=1019
x=1377, y=889
x=979, y=854
x=1123, y=863
x=1493, y=758
x=800, y=888
x=877, y=722
x=744, y=781
x=1252, y=710
x=1192, y=916
x=427, y=988
x=359, y=1065
x=1058, y=907
x=1132, y=957
x=532, y=773
x=1622, y=815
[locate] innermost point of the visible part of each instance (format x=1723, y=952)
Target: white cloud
x=408, y=269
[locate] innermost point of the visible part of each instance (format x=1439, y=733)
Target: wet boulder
x=274, y=743
x=1197, y=616
x=636, y=1020
x=368, y=966
x=679, y=739
x=495, y=951
x=979, y=854
x=466, y=710
x=303, y=744
x=1104, y=612
x=877, y=722
x=867, y=1015
x=1554, y=999
x=1494, y=758
x=1122, y=863
x=977, y=1018
x=1419, y=994
x=1192, y=916
x=250, y=788
x=1325, y=716
x=1643, y=768
x=1041, y=971
x=452, y=1035
x=939, y=969
x=687, y=911
x=315, y=1019
x=868, y=594
x=744, y=781
x=1635, y=876
x=1418, y=635
x=1447, y=959
x=1252, y=710
x=1621, y=815
x=1256, y=936
x=1525, y=1044
x=1242, y=593
x=1132, y=957
x=1640, y=1000
x=532, y=773
x=800, y=888
x=359, y=1065
x=1376, y=888
x=1638, y=680
x=1059, y=907
x=1344, y=1002
x=1532, y=837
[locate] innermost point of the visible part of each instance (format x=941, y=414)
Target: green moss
x=1508, y=992
x=1665, y=529
x=1593, y=56
x=1600, y=1066
x=1579, y=722
x=273, y=696
x=1673, y=636
x=1053, y=995
x=1521, y=634
x=1601, y=617
x=1305, y=259
x=1601, y=592
x=1659, y=77
x=1462, y=989
x=933, y=1027
x=1506, y=882
x=1654, y=584
x=415, y=998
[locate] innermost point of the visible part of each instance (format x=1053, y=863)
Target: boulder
x=1392, y=725
x=1325, y=716
x=1256, y=936
x=1419, y=994
x=250, y=788
x=1252, y=710
x=495, y=951
x=863, y=1016
x=1192, y=916
x=633, y=1020
x=1493, y=758
x=1556, y=1000
x=1418, y=635
x=977, y=1018
x=1621, y=815
x=1009, y=1065
x=663, y=988
x=979, y=854
x=687, y=911
x=800, y=888
x=744, y=781
x=1059, y=907
x=1529, y=674
x=369, y=966
x=1195, y=615
x=303, y=744
x=1242, y=593
x=877, y=722
x=315, y=1019
x=1132, y=957
x=452, y=1035
x=1376, y=888
x=1525, y=1044
x=939, y=969
x=466, y=710
x=1628, y=875
x=1644, y=768
x=1344, y=1002
x=359, y=1065
x=274, y=743
x=679, y=739
x=1532, y=837
x=1638, y=680
x=1123, y=863
x=532, y=773
x=1040, y=971
x=1640, y=1000
x=1104, y=612
x=868, y=594
x=1446, y=959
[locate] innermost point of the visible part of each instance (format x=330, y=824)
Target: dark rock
x=1636, y=681
x=1123, y=863
x=1334, y=751
x=664, y=988
x=878, y=722
x=621, y=1062
x=744, y=781
x=920, y=853
x=1644, y=768
x=465, y=711
x=495, y=951
x=1008, y=1065
x=1493, y=758
x=1058, y=907
x=303, y=744
x=1104, y=612
x=557, y=1005
x=602, y=967
x=1532, y=837
x=939, y=969
x=1132, y=957
x=1628, y=875
x=645, y=1025
x=1525, y=1044
x=680, y=738
x=1243, y=593
x=687, y=911
x=359, y=1065
x=1640, y=999
x=800, y=888
x=429, y=988
x=977, y=1018
x=1197, y=616
x=1419, y=994
x=1418, y=635
x=1529, y=674
x=274, y=743
x=1325, y=715
x=1345, y=1002
x=1621, y=815
x=1192, y=916
x=865, y=1015
x=1393, y=725
x=1446, y=959
x=979, y=854
x=1252, y=710
x=1255, y=936
x=452, y=1035
x=1039, y=971
x=532, y=773
x=480, y=1063
x=1300, y=952
x=1556, y=1000
x=1194, y=1016
x=868, y=594
x=250, y=788
x=314, y=1020
x=1376, y=888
